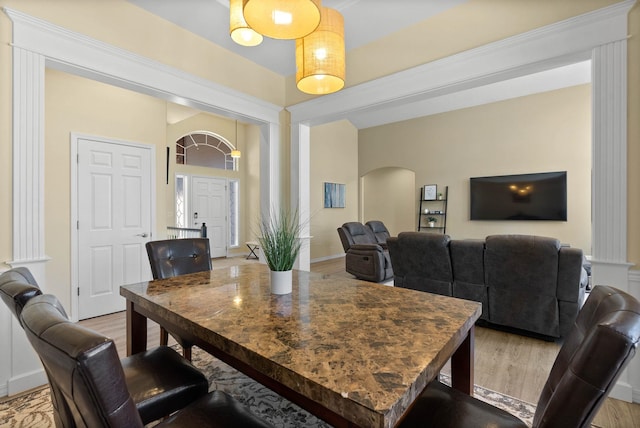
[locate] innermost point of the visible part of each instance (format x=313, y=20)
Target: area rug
x=33, y=409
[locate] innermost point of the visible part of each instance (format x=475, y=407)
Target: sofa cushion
x=360, y=234
x=421, y=261
x=521, y=273
x=467, y=260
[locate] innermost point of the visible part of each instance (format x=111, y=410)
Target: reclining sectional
x=529, y=283
x=366, y=251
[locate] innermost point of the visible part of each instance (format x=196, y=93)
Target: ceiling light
x=239, y=30
x=235, y=154
x=282, y=19
x=320, y=56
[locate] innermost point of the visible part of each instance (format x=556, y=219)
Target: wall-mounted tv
x=540, y=196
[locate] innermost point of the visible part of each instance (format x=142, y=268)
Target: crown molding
x=82, y=55
x=545, y=48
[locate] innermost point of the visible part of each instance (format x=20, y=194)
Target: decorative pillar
x=609, y=179
x=269, y=169
x=28, y=202
x=300, y=188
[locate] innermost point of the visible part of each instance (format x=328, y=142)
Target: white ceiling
x=364, y=20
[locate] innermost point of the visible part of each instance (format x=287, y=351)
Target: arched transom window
x=207, y=149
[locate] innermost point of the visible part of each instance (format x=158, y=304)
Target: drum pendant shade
x=282, y=19
x=320, y=56
x=239, y=30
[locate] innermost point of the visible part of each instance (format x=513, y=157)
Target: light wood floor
x=514, y=365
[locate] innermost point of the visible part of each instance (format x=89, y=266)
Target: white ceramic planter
x=281, y=282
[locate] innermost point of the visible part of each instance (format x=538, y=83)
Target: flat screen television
x=540, y=196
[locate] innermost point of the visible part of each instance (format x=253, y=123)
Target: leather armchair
x=380, y=231
x=173, y=257
x=84, y=366
x=159, y=380
x=365, y=258
x=602, y=341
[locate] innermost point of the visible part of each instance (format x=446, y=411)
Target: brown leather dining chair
x=17, y=287
x=173, y=257
x=85, y=367
x=601, y=343
x=160, y=381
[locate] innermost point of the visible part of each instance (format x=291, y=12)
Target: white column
x=609, y=180
x=300, y=184
x=269, y=169
x=28, y=204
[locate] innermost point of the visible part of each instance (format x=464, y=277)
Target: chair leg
x=186, y=352
x=164, y=336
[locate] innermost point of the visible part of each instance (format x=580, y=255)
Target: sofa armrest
x=571, y=274
x=367, y=262
x=366, y=248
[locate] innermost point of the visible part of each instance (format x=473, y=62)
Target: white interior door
x=114, y=222
x=208, y=205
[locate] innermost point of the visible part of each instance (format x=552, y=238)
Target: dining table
x=353, y=353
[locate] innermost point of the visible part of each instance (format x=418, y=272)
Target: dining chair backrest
x=17, y=287
x=82, y=364
x=601, y=343
x=173, y=257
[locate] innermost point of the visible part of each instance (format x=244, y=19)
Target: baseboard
x=622, y=391
x=25, y=382
x=323, y=259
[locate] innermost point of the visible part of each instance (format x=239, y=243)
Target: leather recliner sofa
x=366, y=258
x=525, y=282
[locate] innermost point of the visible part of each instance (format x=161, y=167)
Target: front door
x=114, y=222
x=208, y=196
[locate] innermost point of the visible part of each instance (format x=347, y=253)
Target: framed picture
x=334, y=195
x=430, y=192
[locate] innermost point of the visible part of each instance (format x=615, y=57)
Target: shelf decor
x=430, y=191
x=432, y=214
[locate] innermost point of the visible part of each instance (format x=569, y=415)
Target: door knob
x=144, y=235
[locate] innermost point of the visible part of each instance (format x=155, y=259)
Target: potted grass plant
x=280, y=245
x=432, y=221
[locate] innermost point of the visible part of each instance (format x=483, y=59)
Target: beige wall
x=539, y=133
x=334, y=159
x=122, y=24
x=386, y=195
x=75, y=104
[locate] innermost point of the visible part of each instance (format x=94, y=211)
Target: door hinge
x=78, y=225
x=78, y=158
x=78, y=291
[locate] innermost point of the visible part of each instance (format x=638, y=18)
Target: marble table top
x=363, y=350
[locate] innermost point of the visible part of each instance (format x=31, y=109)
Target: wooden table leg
x=136, y=330
x=462, y=363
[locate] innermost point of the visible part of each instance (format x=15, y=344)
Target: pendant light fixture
x=239, y=30
x=235, y=154
x=320, y=56
x=282, y=19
